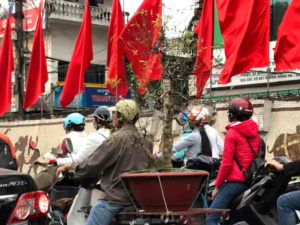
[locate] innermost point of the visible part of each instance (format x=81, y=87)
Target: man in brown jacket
x=124, y=151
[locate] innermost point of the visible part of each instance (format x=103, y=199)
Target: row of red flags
x=37, y=73
x=244, y=26
x=137, y=40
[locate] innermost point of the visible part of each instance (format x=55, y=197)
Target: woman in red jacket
x=230, y=180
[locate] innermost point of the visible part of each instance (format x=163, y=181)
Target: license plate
x=21, y=223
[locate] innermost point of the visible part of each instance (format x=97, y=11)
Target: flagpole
x=20, y=54
x=116, y=93
x=42, y=101
x=210, y=86
x=212, y=52
x=268, y=81
x=78, y=99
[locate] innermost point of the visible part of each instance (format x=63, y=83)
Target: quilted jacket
x=237, y=146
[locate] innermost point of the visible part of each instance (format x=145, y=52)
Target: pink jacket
x=236, y=144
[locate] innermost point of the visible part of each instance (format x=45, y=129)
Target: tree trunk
x=167, y=136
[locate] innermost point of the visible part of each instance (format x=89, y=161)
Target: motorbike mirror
x=69, y=145
x=32, y=145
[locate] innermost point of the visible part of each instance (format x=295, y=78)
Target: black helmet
x=102, y=113
x=240, y=109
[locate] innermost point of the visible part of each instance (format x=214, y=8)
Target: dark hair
x=75, y=127
x=121, y=118
x=232, y=116
x=103, y=121
x=136, y=118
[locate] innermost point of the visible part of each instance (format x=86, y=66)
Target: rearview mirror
x=69, y=145
x=32, y=145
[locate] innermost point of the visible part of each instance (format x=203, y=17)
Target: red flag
x=37, y=74
x=6, y=68
x=80, y=61
x=287, y=50
x=140, y=40
x=116, y=79
x=204, y=30
x=245, y=27
x=116, y=26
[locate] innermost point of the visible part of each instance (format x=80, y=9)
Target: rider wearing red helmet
x=242, y=133
x=240, y=109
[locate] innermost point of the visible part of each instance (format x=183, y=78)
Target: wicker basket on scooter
x=62, y=196
x=59, y=192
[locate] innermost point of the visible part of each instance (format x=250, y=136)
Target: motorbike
x=62, y=193
x=257, y=205
x=90, y=191
x=85, y=198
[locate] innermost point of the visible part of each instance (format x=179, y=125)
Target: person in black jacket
x=289, y=202
x=8, y=159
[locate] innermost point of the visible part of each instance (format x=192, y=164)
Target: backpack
x=7, y=161
x=258, y=160
x=205, y=143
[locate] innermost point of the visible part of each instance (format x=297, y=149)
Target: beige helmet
x=127, y=107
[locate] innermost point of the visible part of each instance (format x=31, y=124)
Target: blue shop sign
x=91, y=98
x=79, y=100
x=99, y=96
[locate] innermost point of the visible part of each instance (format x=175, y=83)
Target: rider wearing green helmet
x=124, y=151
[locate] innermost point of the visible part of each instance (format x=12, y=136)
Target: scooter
x=45, y=178
x=62, y=190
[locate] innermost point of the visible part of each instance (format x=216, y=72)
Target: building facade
x=61, y=23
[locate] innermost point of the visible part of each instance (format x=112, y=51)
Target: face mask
x=95, y=126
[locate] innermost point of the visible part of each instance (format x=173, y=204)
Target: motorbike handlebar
x=36, y=163
x=39, y=164
x=270, y=168
x=69, y=173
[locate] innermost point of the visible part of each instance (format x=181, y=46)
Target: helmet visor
x=184, y=116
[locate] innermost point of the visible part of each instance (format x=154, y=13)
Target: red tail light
x=30, y=205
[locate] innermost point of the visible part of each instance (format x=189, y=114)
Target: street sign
x=30, y=11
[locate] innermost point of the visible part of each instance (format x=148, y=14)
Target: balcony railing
x=74, y=12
